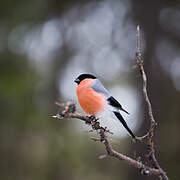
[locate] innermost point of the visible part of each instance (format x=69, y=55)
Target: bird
x=95, y=99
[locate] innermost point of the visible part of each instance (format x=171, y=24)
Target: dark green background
x=35, y=146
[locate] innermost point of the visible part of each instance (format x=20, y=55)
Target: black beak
x=77, y=81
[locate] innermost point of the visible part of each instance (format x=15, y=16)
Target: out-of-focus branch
x=69, y=112
x=153, y=124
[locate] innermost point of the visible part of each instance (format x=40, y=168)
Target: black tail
x=118, y=115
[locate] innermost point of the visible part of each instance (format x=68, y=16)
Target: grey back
x=98, y=86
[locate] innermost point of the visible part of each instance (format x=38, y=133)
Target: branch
x=139, y=61
x=69, y=112
x=149, y=135
x=154, y=168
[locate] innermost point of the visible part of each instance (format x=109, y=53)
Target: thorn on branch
x=69, y=107
x=103, y=156
x=95, y=139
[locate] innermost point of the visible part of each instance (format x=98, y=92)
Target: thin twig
x=153, y=123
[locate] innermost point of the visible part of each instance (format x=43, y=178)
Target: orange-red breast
x=94, y=99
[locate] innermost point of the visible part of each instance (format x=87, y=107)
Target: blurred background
x=45, y=45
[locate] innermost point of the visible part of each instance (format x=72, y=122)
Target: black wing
x=113, y=102
x=121, y=119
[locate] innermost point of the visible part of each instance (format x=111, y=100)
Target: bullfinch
x=94, y=99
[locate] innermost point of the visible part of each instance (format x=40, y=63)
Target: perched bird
x=94, y=99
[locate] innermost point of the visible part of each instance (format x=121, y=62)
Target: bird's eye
x=77, y=81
